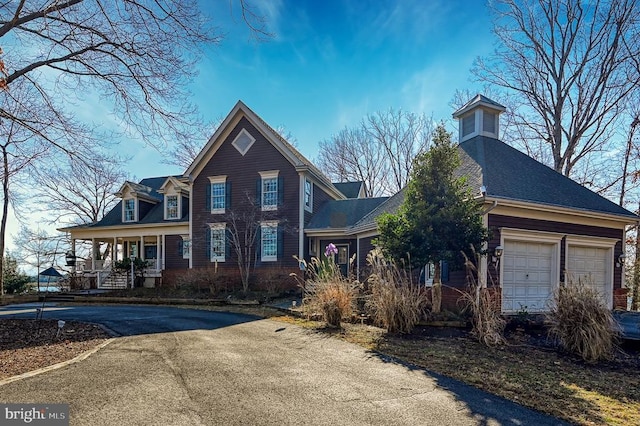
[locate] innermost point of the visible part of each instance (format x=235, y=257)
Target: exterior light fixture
x=498, y=252
x=70, y=257
x=621, y=259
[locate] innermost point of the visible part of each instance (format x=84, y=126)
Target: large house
x=545, y=227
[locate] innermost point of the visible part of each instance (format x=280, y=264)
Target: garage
x=590, y=265
x=527, y=272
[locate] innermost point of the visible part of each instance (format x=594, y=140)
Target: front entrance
x=342, y=258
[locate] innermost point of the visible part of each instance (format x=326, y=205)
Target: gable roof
x=349, y=189
x=340, y=214
x=288, y=151
x=509, y=174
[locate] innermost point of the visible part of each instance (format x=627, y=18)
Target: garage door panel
x=590, y=265
x=526, y=275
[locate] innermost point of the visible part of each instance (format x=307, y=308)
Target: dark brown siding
x=319, y=198
x=173, y=255
x=497, y=221
x=242, y=174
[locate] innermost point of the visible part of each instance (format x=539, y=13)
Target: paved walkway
x=236, y=370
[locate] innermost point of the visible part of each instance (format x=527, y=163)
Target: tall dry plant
x=581, y=322
x=327, y=291
x=487, y=322
x=395, y=303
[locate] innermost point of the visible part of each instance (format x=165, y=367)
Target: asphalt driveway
x=188, y=367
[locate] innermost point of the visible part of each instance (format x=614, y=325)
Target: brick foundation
x=620, y=298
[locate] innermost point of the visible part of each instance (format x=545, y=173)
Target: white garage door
x=526, y=275
x=590, y=265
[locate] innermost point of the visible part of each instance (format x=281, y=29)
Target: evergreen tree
x=15, y=281
x=439, y=217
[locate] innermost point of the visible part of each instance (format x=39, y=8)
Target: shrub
x=395, y=302
x=581, y=323
x=198, y=279
x=328, y=292
x=487, y=322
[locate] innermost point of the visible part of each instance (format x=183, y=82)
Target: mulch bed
x=27, y=345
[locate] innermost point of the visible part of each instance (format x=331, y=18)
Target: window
x=218, y=242
x=269, y=242
x=488, y=122
x=308, y=195
x=129, y=207
x=150, y=252
x=243, y=142
x=219, y=194
x=268, y=190
x=468, y=124
x=172, y=207
x=186, y=247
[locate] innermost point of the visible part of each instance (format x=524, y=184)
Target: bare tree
x=136, y=55
x=350, y=156
x=243, y=228
x=76, y=192
x=572, y=64
x=379, y=150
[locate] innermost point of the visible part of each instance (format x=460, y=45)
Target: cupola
x=479, y=117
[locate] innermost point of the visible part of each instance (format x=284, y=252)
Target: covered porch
x=98, y=252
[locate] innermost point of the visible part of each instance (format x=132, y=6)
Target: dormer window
x=129, y=210
x=171, y=207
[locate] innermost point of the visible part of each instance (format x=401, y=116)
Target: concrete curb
x=78, y=358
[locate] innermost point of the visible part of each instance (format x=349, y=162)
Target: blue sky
x=332, y=62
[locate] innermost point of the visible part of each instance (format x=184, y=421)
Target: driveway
x=188, y=367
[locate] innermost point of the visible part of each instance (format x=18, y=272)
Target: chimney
x=479, y=117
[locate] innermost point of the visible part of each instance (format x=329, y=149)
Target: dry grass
x=487, y=321
x=581, y=322
x=395, y=303
x=328, y=293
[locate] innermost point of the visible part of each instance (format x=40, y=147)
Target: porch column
x=93, y=254
x=164, y=253
x=141, y=249
x=114, y=250
x=158, y=253
x=73, y=250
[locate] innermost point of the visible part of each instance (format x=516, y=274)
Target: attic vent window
x=243, y=142
x=489, y=122
x=468, y=124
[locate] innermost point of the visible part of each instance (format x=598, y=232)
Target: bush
x=199, y=279
x=395, y=303
x=581, y=323
x=328, y=292
x=487, y=322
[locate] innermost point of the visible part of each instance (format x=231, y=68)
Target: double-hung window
x=172, y=207
x=218, y=194
x=186, y=247
x=269, y=190
x=218, y=242
x=129, y=211
x=269, y=242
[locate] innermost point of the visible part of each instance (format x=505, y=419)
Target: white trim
x=221, y=179
x=246, y=149
x=186, y=242
x=191, y=221
x=301, y=211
